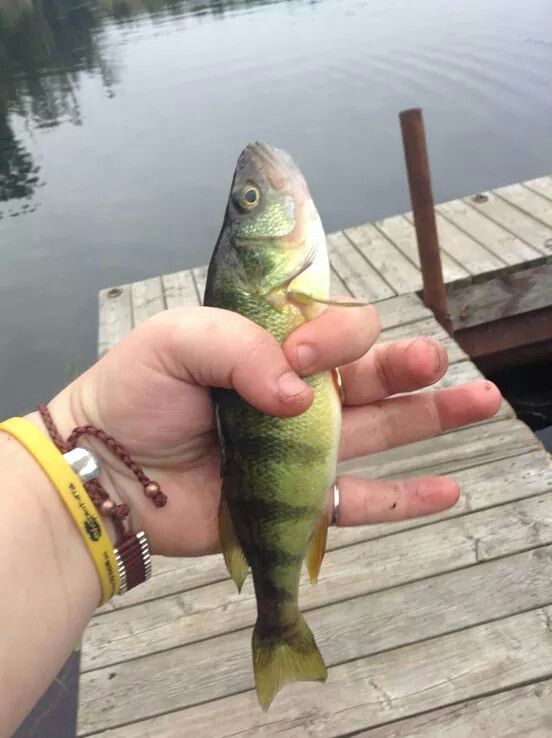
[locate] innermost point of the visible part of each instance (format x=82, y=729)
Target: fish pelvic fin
x=302, y=298
x=291, y=656
x=234, y=556
x=317, y=547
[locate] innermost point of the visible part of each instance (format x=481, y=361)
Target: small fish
x=269, y=261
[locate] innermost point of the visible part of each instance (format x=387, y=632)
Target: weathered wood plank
x=501, y=297
x=147, y=299
x=337, y=285
x=530, y=202
x=506, y=245
x=115, y=316
x=179, y=289
x=358, y=627
x=401, y=310
x=361, y=278
x=474, y=257
x=400, y=231
x=522, y=712
x=368, y=691
x=347, y=572
x=200, y=278
x=520, y=224
x=501, y=467
x=541, y=185
x=391, y=263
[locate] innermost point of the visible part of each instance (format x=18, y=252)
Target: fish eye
x=250, y=197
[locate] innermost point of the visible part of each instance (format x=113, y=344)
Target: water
x=120, y=122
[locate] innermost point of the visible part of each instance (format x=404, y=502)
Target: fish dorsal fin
x=317, y=547
x=236, y=563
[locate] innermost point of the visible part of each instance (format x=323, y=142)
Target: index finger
x=337, y=337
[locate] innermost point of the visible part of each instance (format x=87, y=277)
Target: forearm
x=50, y=587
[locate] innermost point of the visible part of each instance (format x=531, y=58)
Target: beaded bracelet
x=132, y=552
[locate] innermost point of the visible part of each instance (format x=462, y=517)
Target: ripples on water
x=120, y=122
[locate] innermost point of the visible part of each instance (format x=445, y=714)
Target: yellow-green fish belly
x=281, y=469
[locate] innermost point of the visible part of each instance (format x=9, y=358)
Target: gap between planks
x=369, y=690
x=348, y=573
x=515, y=220
x=520, y=712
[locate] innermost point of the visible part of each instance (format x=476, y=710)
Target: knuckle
x=373, y=321
x=259, y=345
x=433, y=413
x=383, y=361
x=400, y=504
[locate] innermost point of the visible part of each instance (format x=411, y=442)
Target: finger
x=220, y=348
x=397, y=366
x=400, y=420
x=365, y=501
x=338, y=336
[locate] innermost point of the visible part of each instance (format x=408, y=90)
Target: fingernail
x=423, y=345
x=306, y=356
x=435, y=357
x=289, y=385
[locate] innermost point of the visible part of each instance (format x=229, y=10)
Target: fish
x=270, y=264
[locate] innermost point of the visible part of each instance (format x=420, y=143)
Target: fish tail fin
x=291, y=656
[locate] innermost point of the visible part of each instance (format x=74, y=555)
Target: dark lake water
x=120, y=122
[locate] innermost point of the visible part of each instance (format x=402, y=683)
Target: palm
x=168, y=427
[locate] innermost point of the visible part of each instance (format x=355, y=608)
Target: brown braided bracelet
x=132, y=549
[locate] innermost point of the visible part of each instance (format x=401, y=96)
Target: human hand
x=151, y=392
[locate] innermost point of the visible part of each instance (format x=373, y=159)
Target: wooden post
x=419, y=182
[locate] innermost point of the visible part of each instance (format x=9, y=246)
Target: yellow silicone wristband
x=75, y=497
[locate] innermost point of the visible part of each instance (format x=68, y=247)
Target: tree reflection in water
x=45, y=47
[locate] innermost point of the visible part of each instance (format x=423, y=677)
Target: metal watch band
x=134, y=561
x=133, y=555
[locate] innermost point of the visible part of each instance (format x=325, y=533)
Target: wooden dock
x=431, y=627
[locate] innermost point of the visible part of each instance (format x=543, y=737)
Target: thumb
x=220, y=348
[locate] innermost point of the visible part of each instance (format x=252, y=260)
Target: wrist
x=75, y=407
x=50, y=582
x=37, y=421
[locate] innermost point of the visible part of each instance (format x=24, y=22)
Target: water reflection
x=45, y=45
x=18, y=173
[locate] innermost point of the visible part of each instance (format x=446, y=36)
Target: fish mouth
x=275, y=164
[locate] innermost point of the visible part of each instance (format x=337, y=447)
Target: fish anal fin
x=317, y=547
x=234, y=557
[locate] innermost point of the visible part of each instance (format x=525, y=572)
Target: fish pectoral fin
x=233, y=553
x=303, y=298
x=283, y=275
x=317, y=547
